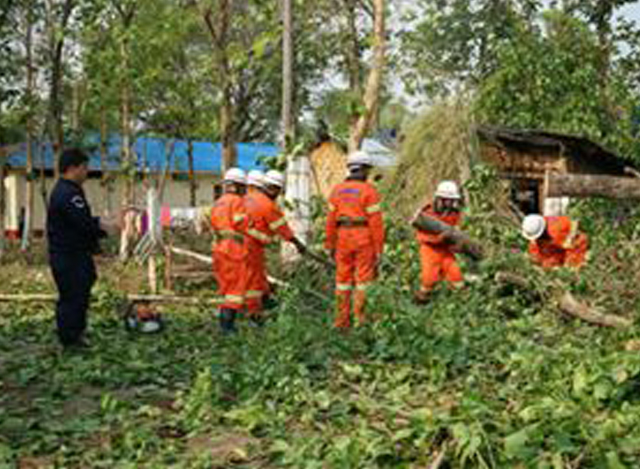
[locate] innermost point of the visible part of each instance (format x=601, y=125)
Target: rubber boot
x=228, y=321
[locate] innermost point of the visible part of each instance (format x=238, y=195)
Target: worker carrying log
x=355, y=237
x=438, y=243
x=266, y=223
x=229, y=250
x=555, y=241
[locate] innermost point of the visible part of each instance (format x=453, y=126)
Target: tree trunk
x=193, y=185
x=569, y=185
x=229, y=155
x=603, y=13
x=219, y=32
x=288, y=127
x=56, y=35
x=104, y=182
x=374, y=80
x=456, y=238
x=353, y=50
x=30, y=190
x=125, y=122
x=569, y=305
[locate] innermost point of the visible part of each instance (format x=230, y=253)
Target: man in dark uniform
x=73, y=235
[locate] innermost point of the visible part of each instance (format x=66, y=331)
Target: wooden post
x=168, y=267
x=152, y=274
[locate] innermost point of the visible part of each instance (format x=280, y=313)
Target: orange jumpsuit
x=437, y=257
x=229, y=251
x=266, y=222
x=355, y=231
x=564, y=245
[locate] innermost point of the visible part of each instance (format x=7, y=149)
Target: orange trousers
x=355, y=271
x=257, y=285
x=438, y=263
x=229, y=273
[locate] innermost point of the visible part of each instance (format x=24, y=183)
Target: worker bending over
x=555, y=241
x=355, y=237
x=229, y=249
x=437, y=252
x=266, y=224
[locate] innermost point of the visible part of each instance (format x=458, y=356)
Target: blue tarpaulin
x=151, y=154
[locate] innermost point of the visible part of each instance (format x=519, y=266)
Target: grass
x=492, y=376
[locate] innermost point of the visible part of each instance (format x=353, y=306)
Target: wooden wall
x=328, y=167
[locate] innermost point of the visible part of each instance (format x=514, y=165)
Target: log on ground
x=571, y=306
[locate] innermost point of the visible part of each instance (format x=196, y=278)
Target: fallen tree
x=572, y=185
x=567, y=303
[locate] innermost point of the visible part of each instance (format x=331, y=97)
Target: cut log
x=571, y=185
x=571, y=306
x=455, y=237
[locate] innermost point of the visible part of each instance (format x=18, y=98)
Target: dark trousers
x=74, y=274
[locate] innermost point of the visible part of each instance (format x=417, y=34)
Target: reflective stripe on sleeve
x=259, y=235
x=373, y=208
x=344, y=287
x=277, y=224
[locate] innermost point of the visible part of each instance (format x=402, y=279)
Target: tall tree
x=57, y=19
x=288, y=127
x=371, y=94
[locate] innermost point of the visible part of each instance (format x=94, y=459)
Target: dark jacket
x=70, y=226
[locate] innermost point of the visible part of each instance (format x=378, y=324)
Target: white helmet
x=448, y=190
x=274, y=178
x=255, y=178
x=533, y=226
x=359, y=158
x=235, y=175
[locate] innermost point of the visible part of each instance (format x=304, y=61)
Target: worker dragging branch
x=355, y=238
x=266, y=223
x=555, y=241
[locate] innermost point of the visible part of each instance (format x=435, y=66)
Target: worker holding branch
x=355, y=238
x=438, y=249
x=555, y=241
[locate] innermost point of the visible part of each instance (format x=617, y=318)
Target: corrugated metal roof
x=151, y=154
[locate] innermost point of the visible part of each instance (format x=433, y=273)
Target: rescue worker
x=355, y=238
x=73, y=235
x=555, y=241
x=266, y=224
x=437, y=255
x=229, y=250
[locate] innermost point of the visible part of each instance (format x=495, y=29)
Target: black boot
x=228, y=321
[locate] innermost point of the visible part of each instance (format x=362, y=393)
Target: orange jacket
x=564, y=245
x=354, y=219
x=266, y=220
x=229, y=224
x=450, y=218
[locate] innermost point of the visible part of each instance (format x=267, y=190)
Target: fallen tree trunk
x=272, y=280
x=453, y=236
x=571, y=185
x=571, y=306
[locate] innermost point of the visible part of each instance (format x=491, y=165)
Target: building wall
x=176, y=195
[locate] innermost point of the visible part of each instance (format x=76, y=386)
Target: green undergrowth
x=492, y=376
x=496, y=377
